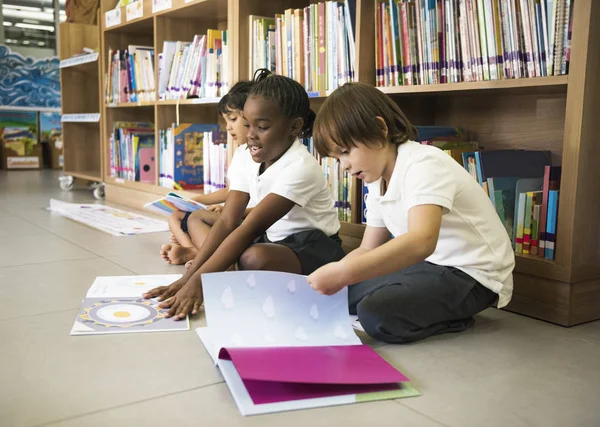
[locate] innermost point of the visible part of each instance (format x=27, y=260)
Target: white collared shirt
x=296, y=176
x=472, y=237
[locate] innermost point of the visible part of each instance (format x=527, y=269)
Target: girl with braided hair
x=294, y=226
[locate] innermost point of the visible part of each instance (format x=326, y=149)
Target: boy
x=451, y=256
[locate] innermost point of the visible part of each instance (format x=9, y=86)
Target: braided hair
x=288, y=94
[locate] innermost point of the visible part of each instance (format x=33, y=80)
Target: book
x=551, y=224
x=114, y=305
x=182, y=154
x=551, y=182
x=264, y=328
x=522, y=187
x=173, y=202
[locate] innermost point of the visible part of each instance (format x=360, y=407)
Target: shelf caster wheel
x=66, y=182
x=99, y=192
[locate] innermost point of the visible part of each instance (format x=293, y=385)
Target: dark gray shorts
x=419, y=301
x=313, y=248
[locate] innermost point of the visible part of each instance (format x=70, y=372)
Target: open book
x=171, y=203
x=281, y=346
x=114, y=305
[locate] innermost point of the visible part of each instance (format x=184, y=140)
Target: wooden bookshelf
x=555, y=113
x=80, y=97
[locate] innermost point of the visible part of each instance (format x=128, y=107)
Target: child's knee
x=383, y=322
x=252, y=259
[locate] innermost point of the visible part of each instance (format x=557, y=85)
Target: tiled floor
x=508, y=371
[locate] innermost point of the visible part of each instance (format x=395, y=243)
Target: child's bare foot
x=180, y=255
x=164, y=252
x=174, y=239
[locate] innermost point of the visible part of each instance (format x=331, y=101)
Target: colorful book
x=535, y=229
x=263, y=330
x=114, y=305
x=551, y=224
x=551, y=182
x=173, y=202
x=533, y=199
x=522, y=187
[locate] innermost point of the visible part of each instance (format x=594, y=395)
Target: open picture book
x=173, y=202
x=114, y=305
x=282, y=346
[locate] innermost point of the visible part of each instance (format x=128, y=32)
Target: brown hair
x=349, y=116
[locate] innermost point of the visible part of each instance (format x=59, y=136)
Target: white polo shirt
x=296, y=176
x=472, y=237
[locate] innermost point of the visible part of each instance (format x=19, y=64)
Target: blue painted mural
x=28, y=82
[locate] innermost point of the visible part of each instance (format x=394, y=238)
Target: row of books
x=340, y=182
x=192, y=156
x=132, y=151
x=196, y=69
x=130, y=75
x=524, y=188
x=314, y=46
x=448, y=41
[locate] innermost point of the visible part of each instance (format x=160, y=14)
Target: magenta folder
x=280, y=374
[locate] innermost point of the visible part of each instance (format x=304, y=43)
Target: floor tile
x=214, y=406
x=512, y=372
x=144, y=263
x=12, y=226
x=37, y=249
x=49, y=287
x=53, y=375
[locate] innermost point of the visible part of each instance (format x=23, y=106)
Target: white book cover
x=114, y=305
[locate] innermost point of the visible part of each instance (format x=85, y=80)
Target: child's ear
x=296, y=126
x=382, y=126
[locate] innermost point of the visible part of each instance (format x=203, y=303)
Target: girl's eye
x=344, y=151
x=232, y=119
x=246, y=125
x=262, y=129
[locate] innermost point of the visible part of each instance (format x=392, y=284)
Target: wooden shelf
x=534, y=84
x=86, y=175
x=191, y=101
x=85, y=63
x=131, y=105
x=557, y=113
x=81, y=118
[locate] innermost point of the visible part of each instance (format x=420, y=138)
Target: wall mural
x=27, y=81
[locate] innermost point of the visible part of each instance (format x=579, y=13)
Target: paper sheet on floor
x=108, y=219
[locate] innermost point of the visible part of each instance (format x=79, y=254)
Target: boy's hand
x=329, y=279
x=164, y=292
x=187, y=301
x=215, y=208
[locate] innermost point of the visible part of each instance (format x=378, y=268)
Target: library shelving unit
x=80, y=91
x=556, y=113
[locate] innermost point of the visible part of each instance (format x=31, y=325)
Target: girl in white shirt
x=294, y=226
x=451, y=256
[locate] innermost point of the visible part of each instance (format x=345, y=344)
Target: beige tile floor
x=508, y=371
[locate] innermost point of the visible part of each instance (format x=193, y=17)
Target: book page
x=271, y=309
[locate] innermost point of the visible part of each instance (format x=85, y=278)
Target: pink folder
x=280, y=374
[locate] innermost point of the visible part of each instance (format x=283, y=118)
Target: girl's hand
x=215, y=208
x=329, y=279
x=165, y=292
x=187, y=301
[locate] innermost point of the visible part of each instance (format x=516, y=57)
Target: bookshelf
x=81, y=111
x=555, y=113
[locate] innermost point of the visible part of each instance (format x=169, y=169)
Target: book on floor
x=282, y=346
x=114, y=305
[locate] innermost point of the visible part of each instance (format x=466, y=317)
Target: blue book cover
x=551, y=224
x=189, y=164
